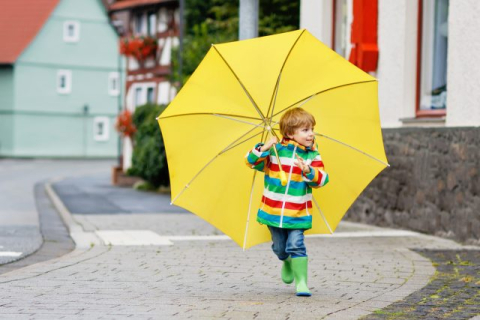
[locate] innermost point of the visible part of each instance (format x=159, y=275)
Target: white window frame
x=163, y=96
x=140, y=24
x=152, y=24
x=68, y=81
x=138, y=96
x=163, y=20
x=113, y=77
x=427, y=60
x=152, y=90
x=76, y=31
x=343, y=27
x=105, y=135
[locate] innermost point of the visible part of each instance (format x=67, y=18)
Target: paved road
x=19, y=222
x=94, y=194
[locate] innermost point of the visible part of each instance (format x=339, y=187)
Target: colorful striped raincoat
x=287, y=206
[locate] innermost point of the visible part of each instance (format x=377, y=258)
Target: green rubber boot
x=287, y=273
x=300, y=271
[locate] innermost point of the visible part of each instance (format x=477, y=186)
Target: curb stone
x=56, y=241
x=452, y=293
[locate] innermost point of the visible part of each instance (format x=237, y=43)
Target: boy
x=286, y=209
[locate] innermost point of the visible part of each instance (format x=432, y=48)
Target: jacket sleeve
x=256, y=159
x=317, y=177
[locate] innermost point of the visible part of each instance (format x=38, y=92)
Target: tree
x=277, y=16
x=216, y=21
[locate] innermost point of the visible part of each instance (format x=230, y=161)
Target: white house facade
x=426, y=57
x=428, y=66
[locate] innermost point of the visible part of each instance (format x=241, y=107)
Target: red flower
x=124, y=124
x=138, y=47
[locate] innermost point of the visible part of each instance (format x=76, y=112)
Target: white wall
x=463, y=74
x=316, y=17
x=130, y=105
x=397, y=66
x=397, y=36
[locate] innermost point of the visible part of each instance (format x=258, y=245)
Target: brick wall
x=432, y=186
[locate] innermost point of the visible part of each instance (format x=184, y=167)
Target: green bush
x=149, y=160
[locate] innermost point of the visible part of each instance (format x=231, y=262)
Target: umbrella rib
x=351, y=147
x=230, y=118
x=249, y=210
x=243, y=87
x=274, y=97
x=229, y=147
x=321, y=213
x=305, y=100
x=207, y=113
x=236, y=145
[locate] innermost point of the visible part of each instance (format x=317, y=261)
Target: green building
x=60, y=79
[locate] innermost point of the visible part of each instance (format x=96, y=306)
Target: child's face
x=304, y=135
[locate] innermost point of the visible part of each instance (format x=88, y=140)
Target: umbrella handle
x=283, y=176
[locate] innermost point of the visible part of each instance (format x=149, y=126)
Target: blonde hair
x=293, y=119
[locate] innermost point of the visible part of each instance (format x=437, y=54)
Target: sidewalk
x=19, y=222
x=188, y=269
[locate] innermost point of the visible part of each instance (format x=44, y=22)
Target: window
x=343, y=12
x=152, y=24
x=71, y=31
x=141, y=93
x=101, y=127
x=150, y=93
x=139, y=23
x=64, y=81
x=163, y=20
x=113, y=84
x=138, y=97
x=432, y=64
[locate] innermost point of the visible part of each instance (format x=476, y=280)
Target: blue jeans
x=288, y=242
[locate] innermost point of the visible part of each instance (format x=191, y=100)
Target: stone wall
x=432, y=186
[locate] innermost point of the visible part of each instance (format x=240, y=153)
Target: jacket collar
x=291, y=144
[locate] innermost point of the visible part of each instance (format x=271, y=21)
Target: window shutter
x=364, y=52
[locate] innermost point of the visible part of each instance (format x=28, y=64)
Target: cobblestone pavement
x=452, y=293
x=215, y=279
x=359, y=271
x=203, y=279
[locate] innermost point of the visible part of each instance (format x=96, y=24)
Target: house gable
x=96, y=44
x=20, y=21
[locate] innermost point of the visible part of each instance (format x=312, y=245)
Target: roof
x=20, y=21
x=128, y=4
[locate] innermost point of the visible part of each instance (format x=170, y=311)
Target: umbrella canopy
x=235, y=99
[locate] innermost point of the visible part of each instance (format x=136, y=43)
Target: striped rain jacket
x=287, y=206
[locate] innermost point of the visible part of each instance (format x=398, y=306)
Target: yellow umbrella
x=235, y=99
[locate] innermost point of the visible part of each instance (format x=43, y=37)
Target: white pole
x=248, y=19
